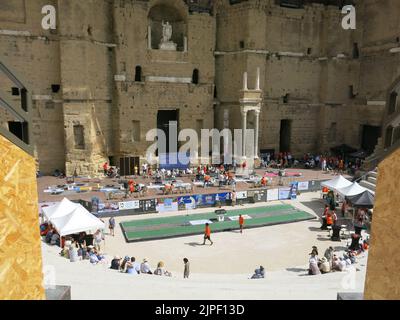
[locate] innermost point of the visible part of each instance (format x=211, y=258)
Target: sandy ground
x=220, y=271
x=274, y=247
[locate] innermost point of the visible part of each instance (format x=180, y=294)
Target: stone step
x=373, y=174
x=367, y=185
x=371, y=179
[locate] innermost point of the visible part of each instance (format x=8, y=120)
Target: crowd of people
x=335, y=164
x=76, y=248
x=331, y=261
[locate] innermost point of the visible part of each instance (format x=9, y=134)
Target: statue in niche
x=167, y=31
x=166, y=43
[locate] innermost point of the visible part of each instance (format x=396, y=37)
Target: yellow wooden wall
x=383, y=269
x=21, y=274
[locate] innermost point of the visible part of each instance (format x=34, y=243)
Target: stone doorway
x=164, y=117
x=285, y=135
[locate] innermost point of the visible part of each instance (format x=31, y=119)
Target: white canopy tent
x=337, y=183
x=352, y=190
x=61, y=209
x=68, y=218
x=79, y=220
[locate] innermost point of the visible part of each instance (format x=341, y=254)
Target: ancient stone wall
x=308, y=64
x=166, y=75
x=34, y=54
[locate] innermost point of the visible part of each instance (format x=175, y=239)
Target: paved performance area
x=219, y=271
x=181, y=225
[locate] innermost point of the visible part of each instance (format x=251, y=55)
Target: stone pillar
x=245, y=81
x=149, y=37
x=185, y=44
x=257, y=114
x=258, y=79
x=244, y=127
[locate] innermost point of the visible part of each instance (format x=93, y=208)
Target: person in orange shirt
x=207, y=234
x=105, y=168
x=241, y=223
x=132, y=188
x=329, y=219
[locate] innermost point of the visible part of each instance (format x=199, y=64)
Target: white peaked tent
x=61, y=209
x=337, y=183
x=352, y=190
x=79, y=220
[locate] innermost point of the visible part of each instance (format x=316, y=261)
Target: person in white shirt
x=145, y=267
x=98, y=238
x=325, y=266
x=313, y=265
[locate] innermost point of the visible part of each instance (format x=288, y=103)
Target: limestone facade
x=113, y=78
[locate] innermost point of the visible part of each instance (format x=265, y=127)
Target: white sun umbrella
x=352, y=190
x=61, y=209
x=336, y=183
x=79, y=220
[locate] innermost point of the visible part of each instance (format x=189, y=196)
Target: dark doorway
x=285, y=134
x=370, y=135
x=164, y=117
x=138, y=73
x=19, y=129
x=128, y=166
x=195, y=76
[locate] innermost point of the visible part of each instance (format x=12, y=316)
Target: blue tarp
x=174, y=160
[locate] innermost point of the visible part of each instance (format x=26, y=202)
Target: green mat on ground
x=167, y=227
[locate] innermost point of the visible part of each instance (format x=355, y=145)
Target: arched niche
x=171, y=11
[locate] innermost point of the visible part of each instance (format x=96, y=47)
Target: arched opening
x=175, y=17
x=138, y=74
x=195, y=76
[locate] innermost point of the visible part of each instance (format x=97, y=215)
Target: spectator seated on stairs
x=259, y=273
x=160, y=271
x=324, y=266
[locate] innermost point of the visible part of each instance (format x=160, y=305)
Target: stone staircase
x=369, y=180
x=379, y=154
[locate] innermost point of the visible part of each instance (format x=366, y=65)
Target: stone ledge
x=350, y=296
x=58, y=293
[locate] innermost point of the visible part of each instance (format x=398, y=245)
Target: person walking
x=233, y=198
x=207, y=234
x=241, y=223
x=186, y=268
x=111, y=225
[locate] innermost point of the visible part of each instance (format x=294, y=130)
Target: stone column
x=244, y=127
x=258, y=79
x=149, y=37
x=245, y=81
x=185, y=44
x=257, y=114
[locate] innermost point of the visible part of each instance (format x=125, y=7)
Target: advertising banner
x=272, y=194
x=148, y=205
x=257, y=195
x=165, y=205
x=303, y=186
x=108, y=207
x=293, y=190
x=128, y=205
x=187, y=202
x=284, y=193
x=241, y=194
